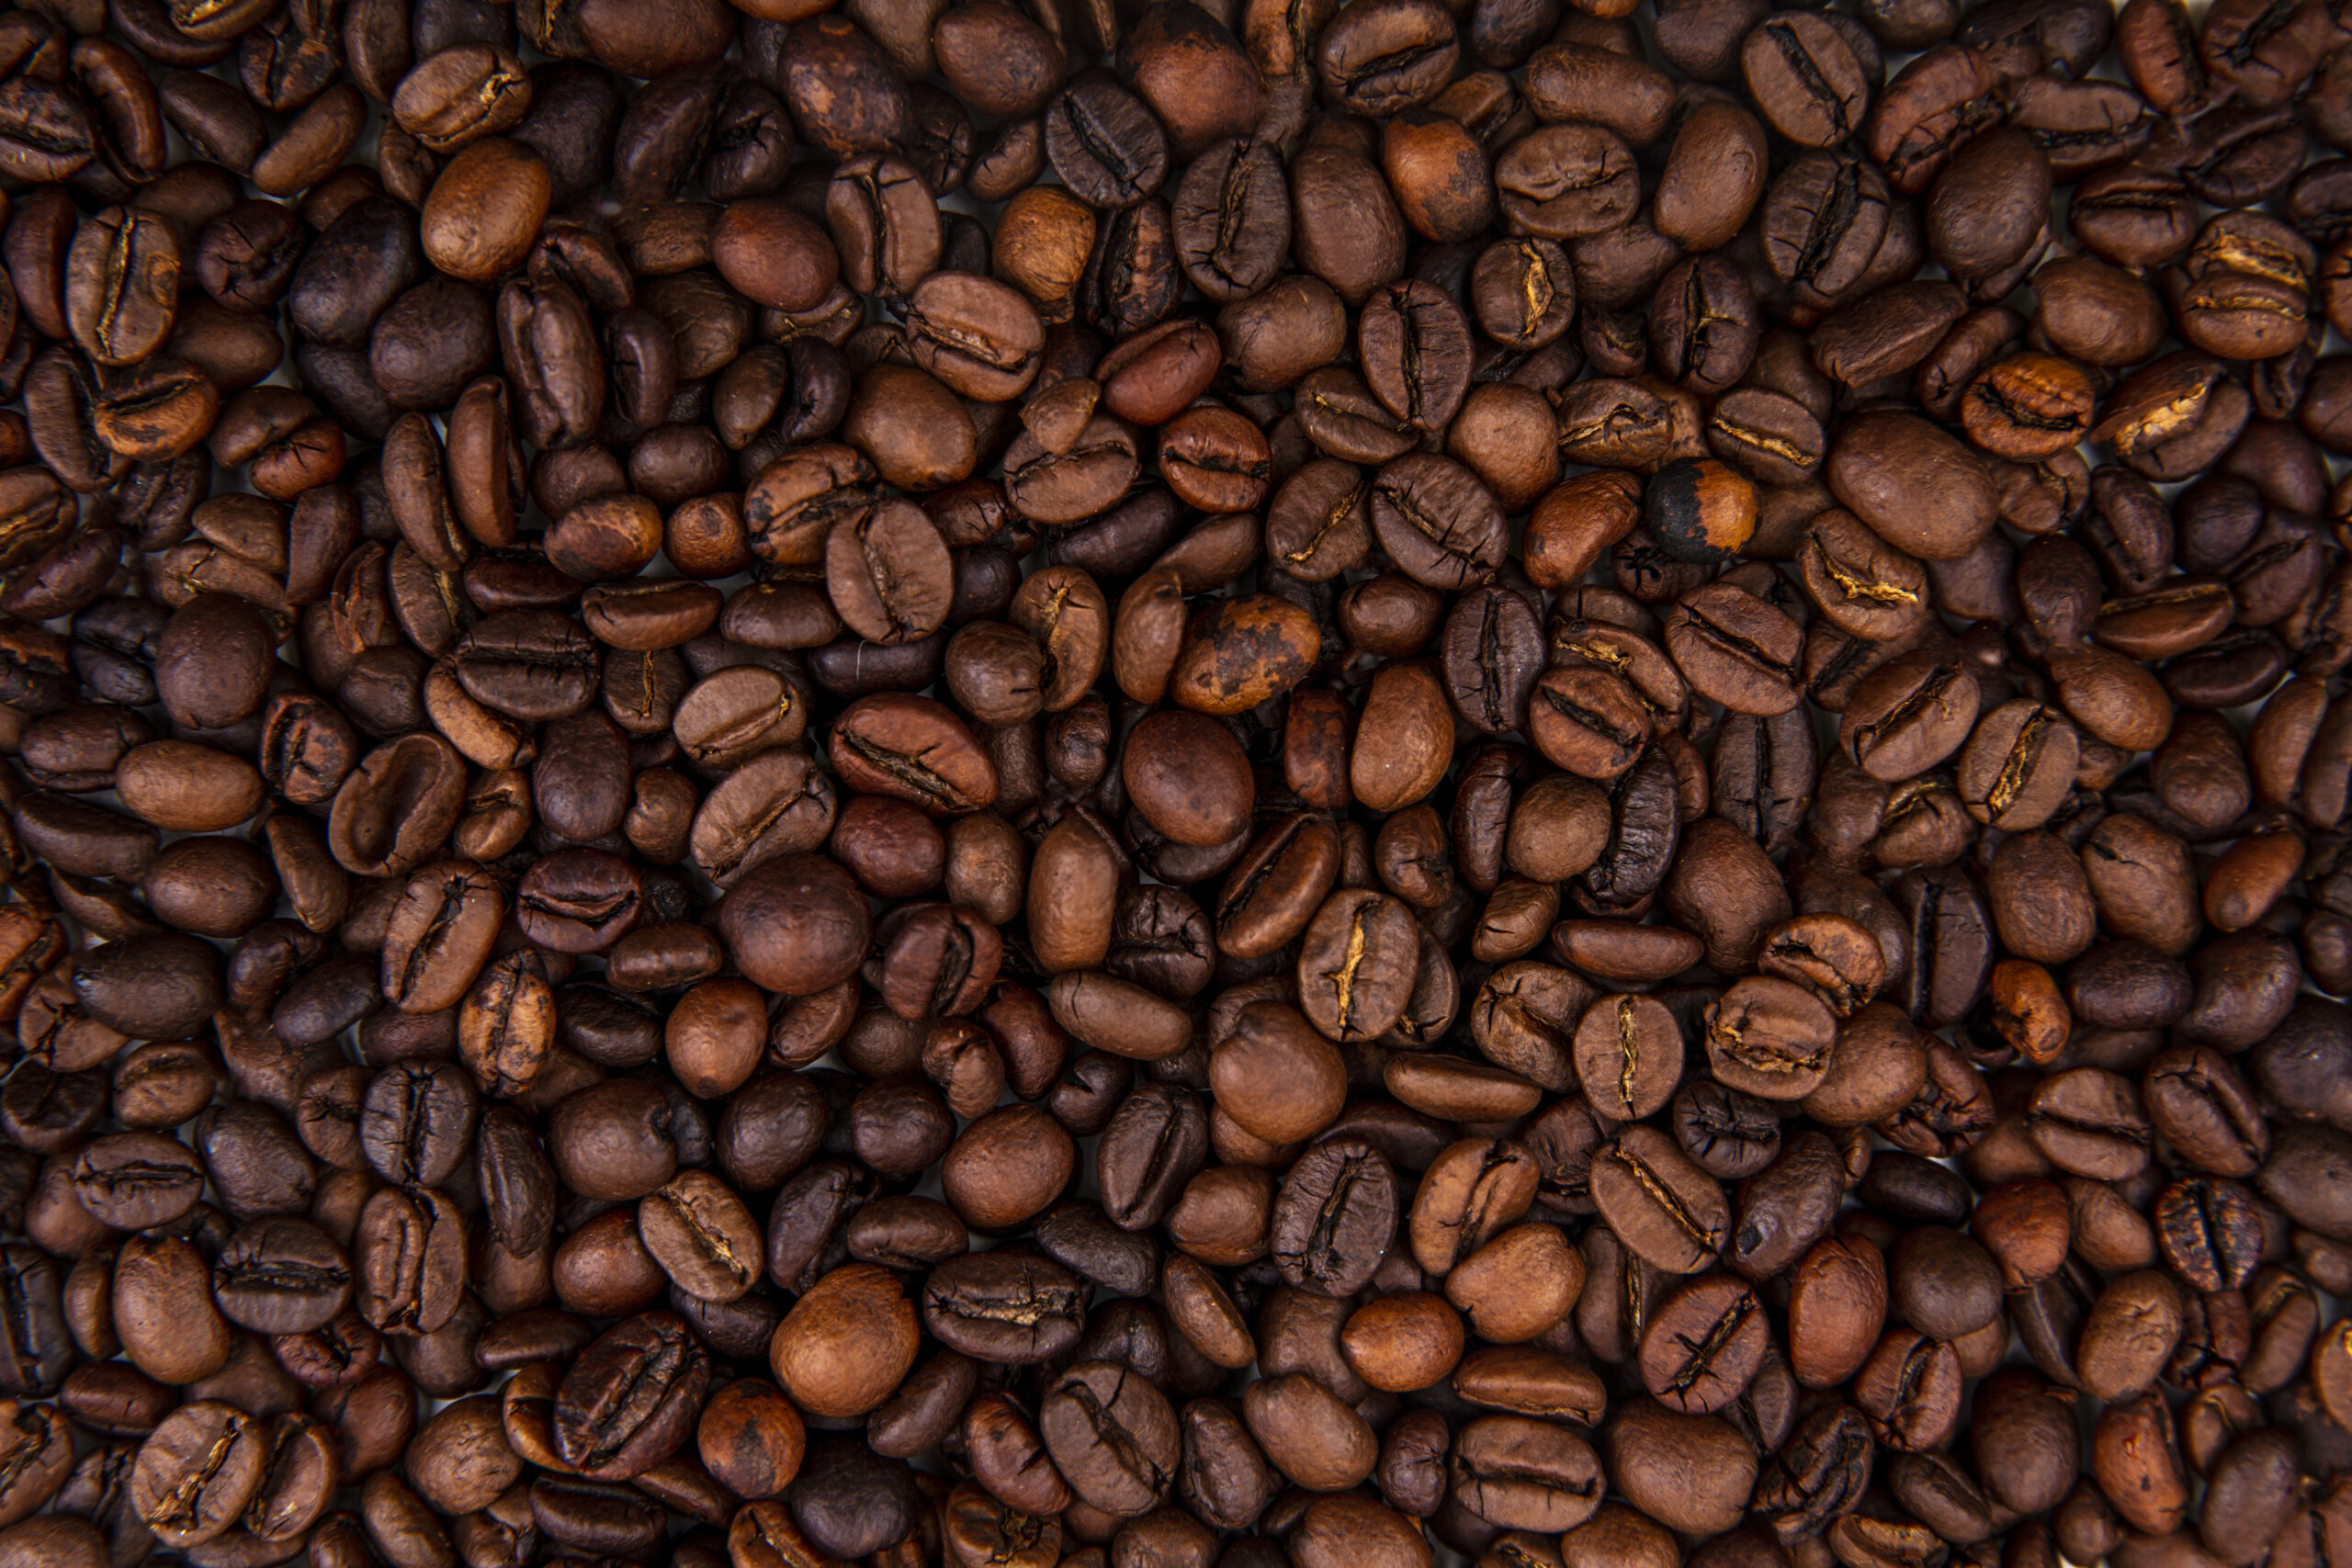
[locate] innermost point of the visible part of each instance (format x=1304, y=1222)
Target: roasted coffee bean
x=1004, y=1308
x=1736, y=649
x=197, y=1472
x=1356, y=964
x=630, y=1398
x=280, y=1276
x=134, y=1181
x=1335, y=1216
x=1669, y=1210
x=1703, y=1344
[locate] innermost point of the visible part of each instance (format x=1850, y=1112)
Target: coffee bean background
x=1077, y=783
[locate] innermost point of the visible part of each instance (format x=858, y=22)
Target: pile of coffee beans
x=1175, y=784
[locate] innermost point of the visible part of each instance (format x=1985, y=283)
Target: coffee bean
x=1806, y=81
x=1356, y=964
x=632, y=1396
x=1703, y=1344
x=1668, y=1210
x=1023, y=1309
x=282, y=1276
x=1735, y=649
x=1111, y=1434
x=197, y=1472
